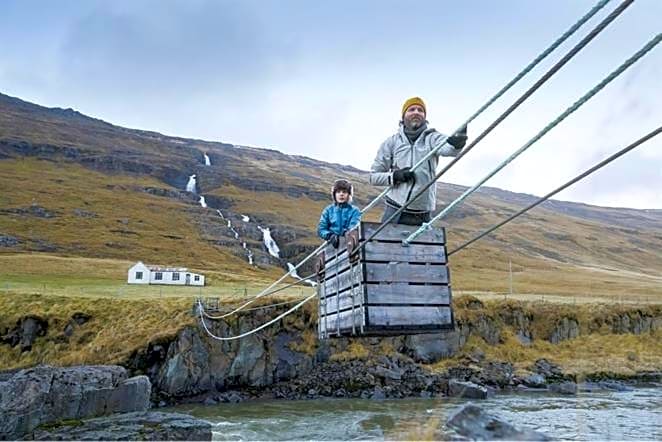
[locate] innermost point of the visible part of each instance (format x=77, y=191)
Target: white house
x=144, y=274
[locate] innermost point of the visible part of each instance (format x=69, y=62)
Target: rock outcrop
x=128, y=426
x=25, y=332
x=43, y=394
x=474, y=424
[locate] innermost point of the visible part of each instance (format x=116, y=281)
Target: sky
x=327, y=79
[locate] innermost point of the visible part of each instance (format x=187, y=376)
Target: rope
x=255, y=330
x=300, y=281
x=564, y=186
x=629, y=62
x=579, y=46
x=527, y=69
x=266, y=291
x=503, y=90
x=583, y=175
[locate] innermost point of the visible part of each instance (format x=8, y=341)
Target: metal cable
x=564, y=186
x=629, y=62
x=527, y=69
x=503, y=90
x=579, y=46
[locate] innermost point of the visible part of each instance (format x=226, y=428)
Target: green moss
x=49, y=426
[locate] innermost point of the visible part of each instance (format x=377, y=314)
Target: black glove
x=403, y=176
x=458, y=140
x=333, y=239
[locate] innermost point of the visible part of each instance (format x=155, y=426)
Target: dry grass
x=596, y=350
x=354, y=351
x=117, y=328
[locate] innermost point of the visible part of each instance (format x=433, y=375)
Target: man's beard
x=414, y=124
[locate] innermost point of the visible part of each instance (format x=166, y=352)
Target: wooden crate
x=386, y=288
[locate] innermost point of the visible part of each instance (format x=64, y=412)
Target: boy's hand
x=334, y=240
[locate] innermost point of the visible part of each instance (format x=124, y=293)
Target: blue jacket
x=338, y=219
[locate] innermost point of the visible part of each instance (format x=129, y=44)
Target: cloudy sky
x=327, y=79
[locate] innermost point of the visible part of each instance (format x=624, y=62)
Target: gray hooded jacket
x=397, y=153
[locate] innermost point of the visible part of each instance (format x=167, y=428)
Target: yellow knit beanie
x=412, y=101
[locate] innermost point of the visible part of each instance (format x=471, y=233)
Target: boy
x=339, y=217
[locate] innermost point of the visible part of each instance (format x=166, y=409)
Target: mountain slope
x=78, y=186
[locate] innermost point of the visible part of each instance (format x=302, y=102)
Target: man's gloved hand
x=334, y=240
x=403, y=175
x=458, y=140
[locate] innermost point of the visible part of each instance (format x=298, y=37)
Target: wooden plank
x=344, y=300
x=402, y=293
x=405, y=272
x=343, y=320
x=343, y=281
x=332, y=251
x=384, y=251
x=398, y=232
x=340, y=259
x=408, y=316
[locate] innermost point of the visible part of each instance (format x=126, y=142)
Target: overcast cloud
x=327, y=79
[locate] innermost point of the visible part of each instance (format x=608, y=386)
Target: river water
x=629, y=415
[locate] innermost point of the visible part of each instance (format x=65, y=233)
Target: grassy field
x=106, y=278
x=47, y=274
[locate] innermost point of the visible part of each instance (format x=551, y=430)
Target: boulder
x=535, y=381
x=43, y=394
x=564, y=388
x=25, y=332
x=430, y=348
x=473, y=423
x=129, y=426
x=466, y=390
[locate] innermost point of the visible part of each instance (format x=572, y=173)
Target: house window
x=158, y=276
x=139, y=275
x=175, y=276
x=196, y=278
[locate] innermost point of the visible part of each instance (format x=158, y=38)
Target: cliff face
x=288, y=361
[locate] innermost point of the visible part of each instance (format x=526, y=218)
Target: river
x=628, y=415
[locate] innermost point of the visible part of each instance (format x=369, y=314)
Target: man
x=397, y=155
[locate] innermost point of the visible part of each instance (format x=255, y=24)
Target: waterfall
x=207, y=160
x=243, y=244
x=220, y=214
x=236, y=234
x=245, y=219
x=229, y=223
x=269, y=242
x=203, y=203
x=190, y=186
x=250, y=257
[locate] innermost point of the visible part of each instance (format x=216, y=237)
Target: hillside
x=75, y=186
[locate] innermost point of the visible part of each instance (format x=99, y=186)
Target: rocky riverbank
x=287, y=361
x=55, y=403
x=495, y=346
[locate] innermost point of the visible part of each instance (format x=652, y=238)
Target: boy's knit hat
x=412, y=101
x=342, y=185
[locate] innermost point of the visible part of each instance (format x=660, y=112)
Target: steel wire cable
x=576, y=105
x=502, y=91
x=578, y=47
x=579, y=177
